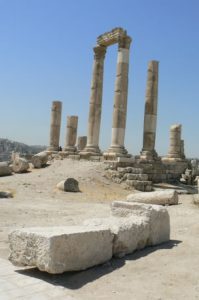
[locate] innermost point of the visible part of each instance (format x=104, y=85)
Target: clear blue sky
x=46, y=54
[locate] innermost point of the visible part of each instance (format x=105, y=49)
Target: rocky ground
x=168, y=271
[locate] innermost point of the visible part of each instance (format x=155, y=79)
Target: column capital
x=99, y=52
x=124, y=42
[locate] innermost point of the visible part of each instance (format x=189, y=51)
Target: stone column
x=150, y=115
x=81, y=142
x=71, y=134
x=182, y=149
x=94, y=120
x=175, y=148
x=55, y=125
x=120, y=99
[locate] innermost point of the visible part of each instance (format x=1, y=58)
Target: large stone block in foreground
x=60, y=249
x=158, y=218
x=130, y=233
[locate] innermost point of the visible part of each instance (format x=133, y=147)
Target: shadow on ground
x=75, y=280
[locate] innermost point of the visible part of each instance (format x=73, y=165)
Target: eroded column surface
x=150, y=113
x=175, y=147
x=182, y=149
x=95, y=102
x=55, y=125
x=71, y=133
x=81, y=142
x=120, y=98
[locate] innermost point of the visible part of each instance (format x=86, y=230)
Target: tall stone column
x=95, y=102
x=175, y=148
x=120, y=98
x=71, y=134
x=55, y=125
x=150, y=115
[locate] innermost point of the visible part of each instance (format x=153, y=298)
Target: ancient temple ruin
x=119, y=36
x=152, y=168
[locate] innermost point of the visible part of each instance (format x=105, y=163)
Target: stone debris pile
x=131, y=226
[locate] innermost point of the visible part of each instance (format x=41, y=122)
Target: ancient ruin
x=117, y=35
x=152, y=167
x=55, y=125
x=150, y=113
x=176, y=148
x=71, y=134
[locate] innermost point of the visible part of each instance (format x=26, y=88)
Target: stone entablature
x=111, y=37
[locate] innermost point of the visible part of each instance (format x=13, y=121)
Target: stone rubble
x=40, y=159
x=5, y=169
x=130, y=227
x=69, y=185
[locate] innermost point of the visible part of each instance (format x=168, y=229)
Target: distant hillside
x=7, y=146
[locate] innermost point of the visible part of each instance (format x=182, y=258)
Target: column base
x=171, y=159
x=149, y=155
x=53, y=148
x=90, y=151
x=70, y=149
x=116, y=151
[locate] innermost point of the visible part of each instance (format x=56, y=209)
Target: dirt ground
x=168, y=271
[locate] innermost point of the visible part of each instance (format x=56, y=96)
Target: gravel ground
x=168, y=271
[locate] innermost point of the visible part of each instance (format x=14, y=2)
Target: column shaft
x=55, y=125
x=71, y=133
x=175, y=148
x=120, y=99
x=150, y=113
x=96, y=101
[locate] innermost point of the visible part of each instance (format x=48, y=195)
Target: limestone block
x=159, y=229
x=5, y=169
x=140, y=185
x=68, y=185
x=40, y=159
x=20, y=165
x=60, y=249
x=130, y=233
x=167, y=197
x=143, y=177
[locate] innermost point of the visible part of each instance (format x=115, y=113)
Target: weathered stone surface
x=175, y=150
x=55, y=125
x=81, y=142
x=71, y=134
x=68, y=185
x=143, y=177
x=150, y=113
x=130, y=233
x=144, y=186
x=5, y=169
x=167, y=197
x=40, y=159
x=20, y=165
x=159, y=230
x=60, y=249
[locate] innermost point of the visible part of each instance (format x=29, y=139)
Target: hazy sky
x=46, y=54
